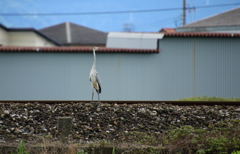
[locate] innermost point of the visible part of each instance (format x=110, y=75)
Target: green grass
x=21, y=149
x=205, y=98
x=215, y=139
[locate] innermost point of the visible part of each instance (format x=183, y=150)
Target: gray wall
x=185, y=67
x=200, y=67
x=65, y=76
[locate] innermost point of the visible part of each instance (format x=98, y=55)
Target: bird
x=94, y=77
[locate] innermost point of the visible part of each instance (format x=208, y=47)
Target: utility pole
x=184, y=13
x=128, y=27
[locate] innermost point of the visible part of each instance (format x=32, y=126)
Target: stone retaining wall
x=91, y=121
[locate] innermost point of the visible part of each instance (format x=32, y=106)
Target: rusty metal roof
x=167, y=30
x=200, y=34
x=75, y=49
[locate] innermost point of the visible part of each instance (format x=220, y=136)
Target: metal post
x=184, y=13
x=64, y=127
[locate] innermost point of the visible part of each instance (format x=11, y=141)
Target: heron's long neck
x=94, y=60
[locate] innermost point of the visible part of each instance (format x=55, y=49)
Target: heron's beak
x=96, y=48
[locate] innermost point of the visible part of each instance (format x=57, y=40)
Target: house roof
x=167, y=30
x=72, y=34
x=228, y=18
x=200, y=34
x=29, y=30
x=75, y=50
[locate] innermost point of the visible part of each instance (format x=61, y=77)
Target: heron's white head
x=95, y=48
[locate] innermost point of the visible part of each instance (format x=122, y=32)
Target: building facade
x=24, y=37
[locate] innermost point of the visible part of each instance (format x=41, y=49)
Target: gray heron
x=94, y=77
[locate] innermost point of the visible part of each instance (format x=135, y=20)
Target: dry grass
x=186, y=139
x=205, y=98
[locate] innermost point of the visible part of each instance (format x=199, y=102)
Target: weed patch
x=21, y=149
x=208, y=140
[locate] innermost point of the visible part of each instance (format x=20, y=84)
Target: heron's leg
x=98, y=98
x=92, y=94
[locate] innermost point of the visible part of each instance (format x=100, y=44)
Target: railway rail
x=185, y=103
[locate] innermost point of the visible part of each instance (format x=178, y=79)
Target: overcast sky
x=157, y=14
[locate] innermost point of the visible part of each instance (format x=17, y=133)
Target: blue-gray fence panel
x=185, y=67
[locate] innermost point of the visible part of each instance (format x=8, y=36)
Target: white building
x=24, y=37
x=133, y=40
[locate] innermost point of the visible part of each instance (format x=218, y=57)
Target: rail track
x=185, y=103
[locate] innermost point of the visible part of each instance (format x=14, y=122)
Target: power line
x=109, y=12
x=162, y=22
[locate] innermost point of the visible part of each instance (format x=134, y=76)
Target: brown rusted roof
x=200, y=34
x=167, y=30
x=75, y=49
